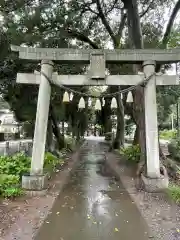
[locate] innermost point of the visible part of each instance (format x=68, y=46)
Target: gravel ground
x=162, y=214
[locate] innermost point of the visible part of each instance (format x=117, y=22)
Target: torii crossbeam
x=111, y=80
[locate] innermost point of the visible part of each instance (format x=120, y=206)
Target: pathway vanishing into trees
x=93, y=205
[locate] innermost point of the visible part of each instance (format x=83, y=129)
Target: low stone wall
x=12, y=147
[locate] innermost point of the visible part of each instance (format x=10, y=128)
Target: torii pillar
x=153, y=181
x=151, y=123
x=37, y=180
x=41, y=119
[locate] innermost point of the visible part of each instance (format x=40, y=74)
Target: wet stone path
x=93, y=205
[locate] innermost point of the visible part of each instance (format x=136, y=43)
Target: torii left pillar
x=37, y=180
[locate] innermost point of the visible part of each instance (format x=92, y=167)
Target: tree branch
x=168, y=29
x=121, y=25
x=82, y=37
x=134, y=26
x=88, y=8
x=170, y=24
x=147, y=9
x=112, y=7
x=105, y=23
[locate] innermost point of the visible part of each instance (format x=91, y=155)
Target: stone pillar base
x=35, y=184
x=152, y=185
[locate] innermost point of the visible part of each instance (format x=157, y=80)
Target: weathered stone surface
x=151, y=124
x=155, y=184
x=69, y=80
x=42, y=113
x=34, y=182
x=97, y=66
x=83, y=55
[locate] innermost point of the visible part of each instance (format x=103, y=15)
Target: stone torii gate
x=96, y=76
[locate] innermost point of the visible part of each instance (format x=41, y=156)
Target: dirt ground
x=21, y=218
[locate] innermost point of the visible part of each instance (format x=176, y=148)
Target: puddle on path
x=93, y=206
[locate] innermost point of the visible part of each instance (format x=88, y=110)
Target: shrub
x=174, y=193
x=8, y=182
x=12, y=192
x=70, y=143
x=167, y=134
x=132, y=153
x=51, y=161
x=15, y=165
x=174, y=149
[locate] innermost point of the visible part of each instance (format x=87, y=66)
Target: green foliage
x=129, y=126
x=167, y=96
x=174, y=192
x=9, y=185
x=174, y=149
x=174, y=40
x=131, y=153
x=167, y=134
x=51, y=161
x=15, y=165
x=70, y=143
x=12, y=192
x=8, y=180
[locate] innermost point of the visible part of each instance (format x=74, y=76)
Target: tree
x=27, y=22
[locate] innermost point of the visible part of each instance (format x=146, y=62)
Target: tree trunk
x=136, y=136
x=59, y=137
x=74, y=115
x=49, y=139
x=139, y=116
x=135, y=40
x=107, y=117
x=120, y=132
x=63, y=127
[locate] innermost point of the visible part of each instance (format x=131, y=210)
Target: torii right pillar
x=153, y=181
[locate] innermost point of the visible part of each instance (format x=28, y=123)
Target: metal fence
x=12, y=147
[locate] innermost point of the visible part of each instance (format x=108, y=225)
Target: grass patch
x=174, y=192
x=167, y=134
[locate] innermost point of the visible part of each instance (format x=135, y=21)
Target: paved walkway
x=93, y=206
